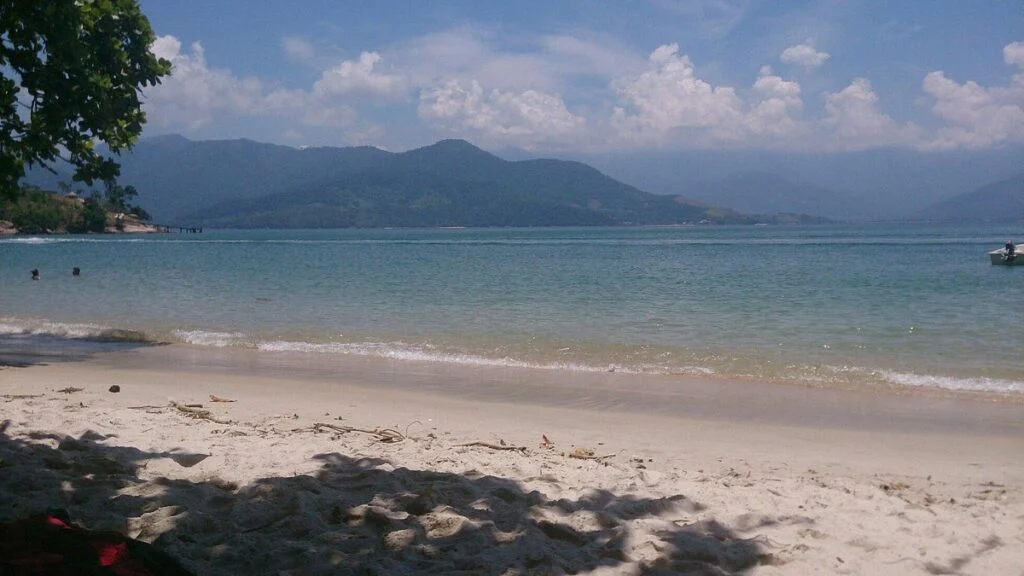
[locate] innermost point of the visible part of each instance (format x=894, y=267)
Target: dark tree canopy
x=71, y=75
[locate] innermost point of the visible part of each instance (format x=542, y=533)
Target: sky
x=589, y=76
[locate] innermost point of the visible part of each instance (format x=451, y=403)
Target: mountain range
x=241, y=183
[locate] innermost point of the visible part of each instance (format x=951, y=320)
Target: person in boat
x=1009, y=252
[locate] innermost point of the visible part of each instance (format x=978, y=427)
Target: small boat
x=1000, y=257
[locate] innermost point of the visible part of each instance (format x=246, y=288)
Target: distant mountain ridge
x=757, y=192
x=1001, y=201
x=241, y=183
x=179, y=179
x=453, y=183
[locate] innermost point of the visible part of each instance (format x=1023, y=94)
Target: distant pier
x=190, y=229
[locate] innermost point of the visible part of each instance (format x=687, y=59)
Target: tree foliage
x=71, y=75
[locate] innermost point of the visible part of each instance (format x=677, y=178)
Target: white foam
x=59, y=329
x=402, y=351
x=29, y=240
x=213, y=339
x=952, y=383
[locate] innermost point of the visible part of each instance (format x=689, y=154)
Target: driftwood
x=588, y=454
x=493, y=446
x=70, y=390
x=386, y=435
x=219, y=399
x=20, y=396
x=199, y=413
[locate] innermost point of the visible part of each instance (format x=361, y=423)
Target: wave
x=213, y=339
x=404, y=351
x=70, y=331
x=956, y=384
x=41, y=240
x=891, y=378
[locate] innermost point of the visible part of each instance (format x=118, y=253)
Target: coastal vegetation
x=37, y=211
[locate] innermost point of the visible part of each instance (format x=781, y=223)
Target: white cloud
x=854, y=122
x=353, y=77
x=577, y=91
x=194, y=93
x=804, y=55
x=1013, y=53
x=603, y=57
x=776, y=114
x=976, y=116
x=298, y=48
x=524, y=118
x=469, y=54
x=668, y=96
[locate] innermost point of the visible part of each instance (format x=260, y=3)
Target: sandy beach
x=399, y=468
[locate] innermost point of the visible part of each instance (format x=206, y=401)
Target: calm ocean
x=848, y=306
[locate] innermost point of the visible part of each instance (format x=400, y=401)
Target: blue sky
x=594, y=76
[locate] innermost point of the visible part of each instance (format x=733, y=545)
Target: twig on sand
x=219, y=399
x=20, y=396
x=588, y=454
x=146, y=407
x=70, y=390
x=493, y=446
x=198, y=413
x=386, y=435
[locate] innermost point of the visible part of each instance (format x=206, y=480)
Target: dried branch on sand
x=493, y=446
x=198, y=413
x=386, y=435
x=581, y=453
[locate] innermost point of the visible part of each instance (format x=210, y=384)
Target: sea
x=858, y=307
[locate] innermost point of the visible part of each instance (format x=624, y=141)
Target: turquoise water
x=849, y=306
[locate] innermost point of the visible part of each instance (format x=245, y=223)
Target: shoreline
x=254, y=487
x=687, y=397
x=222, y=344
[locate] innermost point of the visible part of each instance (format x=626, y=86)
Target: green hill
x=244, y=184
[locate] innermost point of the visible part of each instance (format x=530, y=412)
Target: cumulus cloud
x=976, y=116
x=194, y=92
x=524, y=118
x=354, y=77
x=668, y=104
x=669, y=96
x=777, y=113
x=854, y=121
x=804, y=55
x=580, y=91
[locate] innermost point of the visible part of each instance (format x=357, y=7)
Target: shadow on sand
x=360, y=516
x=25, y=350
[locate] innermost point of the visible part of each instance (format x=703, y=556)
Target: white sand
x=266, y=494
